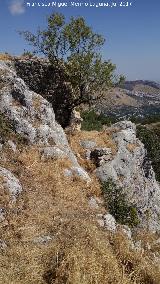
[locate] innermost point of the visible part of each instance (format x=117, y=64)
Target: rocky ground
x=56, y=223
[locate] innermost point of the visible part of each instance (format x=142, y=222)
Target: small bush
x=148, y=119
x=93, y=121
x=115, y=202
x=151, y=141
x=28, y=54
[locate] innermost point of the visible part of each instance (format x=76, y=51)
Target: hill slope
x=55, y=219
x=138, y=98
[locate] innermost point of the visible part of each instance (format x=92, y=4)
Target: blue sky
x=132, y=33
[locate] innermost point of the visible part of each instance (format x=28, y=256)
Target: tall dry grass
x=5, y=56
x=78, y=251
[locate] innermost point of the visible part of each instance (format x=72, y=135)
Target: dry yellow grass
x=79, y=252
x=131, y=147
x=138, y=265
x=102, y=139
x=5, y=56
x=37, y=103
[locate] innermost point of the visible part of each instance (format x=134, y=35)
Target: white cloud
x=17, y=7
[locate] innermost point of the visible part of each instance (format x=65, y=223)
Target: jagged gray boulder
x=127, y=231
x=56, y=153
x=32, y=116
x=127, y=169
x=3, y=245
x=10, y=183
x=52, y=153
x=78, y=171
x=110, y=222
x=93, y=203
x=42, y=240
x=12, y=145
x=88, y=144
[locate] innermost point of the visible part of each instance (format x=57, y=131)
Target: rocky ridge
x=33, y=117
x=62, y=203
x=131, y=170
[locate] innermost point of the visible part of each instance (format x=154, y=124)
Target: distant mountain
x=137, y=98
x=146, y=86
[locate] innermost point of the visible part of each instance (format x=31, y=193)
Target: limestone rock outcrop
x=127, y=169
x=11, y=187
x=10, y=183
x=32, y=116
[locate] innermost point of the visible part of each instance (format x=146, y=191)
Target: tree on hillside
x=75, y=46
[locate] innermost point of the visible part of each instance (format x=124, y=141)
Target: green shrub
x=93, y=121
x=28, y=54
x=148, y=119
x=151, y=141
x=116, y=203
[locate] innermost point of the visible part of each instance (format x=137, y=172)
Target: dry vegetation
x=5, y=56
x=79, y=250
x=102, y=139
x=131, y=147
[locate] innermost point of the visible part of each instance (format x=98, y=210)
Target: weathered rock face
x=31, y=115
x=75, y=121
x=10, y=186
x=10, y=183
x=50, y=82
x=100, y=155
x=131, y=170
